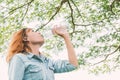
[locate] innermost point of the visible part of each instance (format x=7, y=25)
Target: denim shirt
x=32, y=67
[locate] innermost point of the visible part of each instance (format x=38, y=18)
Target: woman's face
x=34, y=37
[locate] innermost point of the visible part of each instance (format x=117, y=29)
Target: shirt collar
x=31, y=55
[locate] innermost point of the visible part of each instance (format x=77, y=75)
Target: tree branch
x=58, y=9
x=111, y=7
x=77, y=10
x=106, y=57
x=20, y=6
x=25, y=12
x=10, y=13
x=72, y=15
x=75, y=32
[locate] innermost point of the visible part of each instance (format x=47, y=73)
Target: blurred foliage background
x=94, y=27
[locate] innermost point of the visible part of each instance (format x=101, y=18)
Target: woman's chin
x=41, y=43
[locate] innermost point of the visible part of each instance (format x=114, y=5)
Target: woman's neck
x=35, y=49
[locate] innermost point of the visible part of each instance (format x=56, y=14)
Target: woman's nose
x=38, y=32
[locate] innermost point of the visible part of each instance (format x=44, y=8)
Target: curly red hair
x=17, y=44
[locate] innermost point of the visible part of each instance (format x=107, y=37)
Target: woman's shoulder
x=20, y=56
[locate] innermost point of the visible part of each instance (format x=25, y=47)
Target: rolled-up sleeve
x=63, y=66
x=16, y=68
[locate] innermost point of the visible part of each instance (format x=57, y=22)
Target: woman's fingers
x=59, y=30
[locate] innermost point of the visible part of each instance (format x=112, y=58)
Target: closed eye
x=33, y=31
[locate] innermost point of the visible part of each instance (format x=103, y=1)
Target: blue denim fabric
x=32, y=67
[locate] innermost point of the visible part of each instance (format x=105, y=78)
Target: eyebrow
x=29, y=29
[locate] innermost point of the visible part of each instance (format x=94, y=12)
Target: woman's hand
x=60, y=30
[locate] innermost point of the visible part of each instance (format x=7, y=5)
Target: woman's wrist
x=66, y=36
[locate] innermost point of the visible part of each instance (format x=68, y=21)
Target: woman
x=26, y=62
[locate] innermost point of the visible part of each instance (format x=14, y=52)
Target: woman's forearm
x=62, y=31
x=71, y=52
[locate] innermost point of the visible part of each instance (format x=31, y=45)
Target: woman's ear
x=25, y=39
